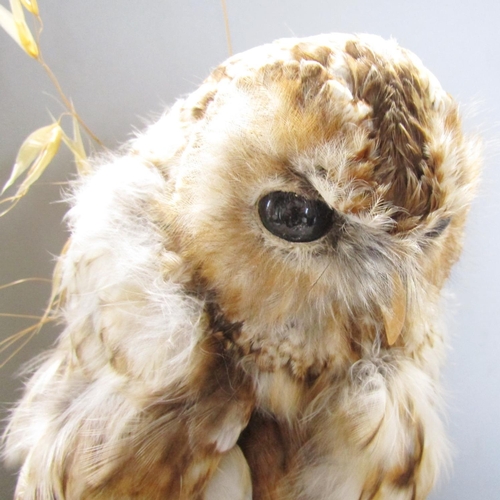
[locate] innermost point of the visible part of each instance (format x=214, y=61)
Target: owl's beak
x=395, y=315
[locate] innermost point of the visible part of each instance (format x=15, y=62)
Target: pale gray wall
x=122, y=60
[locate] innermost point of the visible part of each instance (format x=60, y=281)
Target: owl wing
x=141, y=397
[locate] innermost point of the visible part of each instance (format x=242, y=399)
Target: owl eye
x=295, y=218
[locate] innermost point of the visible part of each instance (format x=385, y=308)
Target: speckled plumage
x=204, y=357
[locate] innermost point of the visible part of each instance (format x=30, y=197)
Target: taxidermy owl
x=251, y=290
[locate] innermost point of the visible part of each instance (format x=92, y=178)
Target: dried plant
x=40, y=147
x=38, y=150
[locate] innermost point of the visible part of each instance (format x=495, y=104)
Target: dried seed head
x=24, y=36
x=35, y=154
x=75, y=145
x=31, y=6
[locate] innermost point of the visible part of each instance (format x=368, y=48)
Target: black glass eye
x=293, y=217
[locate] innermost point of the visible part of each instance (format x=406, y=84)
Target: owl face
x=318, y=186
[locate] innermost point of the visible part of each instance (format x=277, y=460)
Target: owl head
x=318, y=182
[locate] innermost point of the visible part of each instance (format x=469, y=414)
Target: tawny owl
x=251, y=290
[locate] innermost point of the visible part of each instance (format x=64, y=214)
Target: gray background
x=121, y=61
